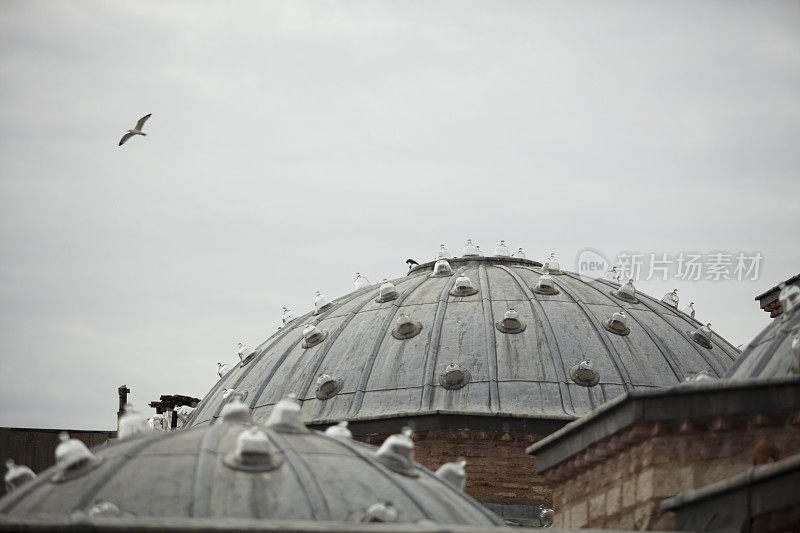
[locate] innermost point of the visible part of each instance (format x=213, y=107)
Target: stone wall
x=619, y=481
x=498, y=470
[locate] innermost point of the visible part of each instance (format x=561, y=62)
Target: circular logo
x=592, y=264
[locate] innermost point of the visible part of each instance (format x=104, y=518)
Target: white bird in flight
x=135, y=131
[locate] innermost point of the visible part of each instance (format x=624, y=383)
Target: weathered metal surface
x=521, y=374
x=770, y=354
x=188, y=473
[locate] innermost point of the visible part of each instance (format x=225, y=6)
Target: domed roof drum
x=523, y=371
x=235, y=470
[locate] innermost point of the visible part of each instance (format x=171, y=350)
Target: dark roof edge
x=793, y=279
x=751, y=476
x=681, y=401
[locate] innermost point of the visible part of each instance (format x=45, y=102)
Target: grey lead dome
x=233, y=470
x=518, y=373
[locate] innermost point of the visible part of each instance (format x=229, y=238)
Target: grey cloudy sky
x=295, y=143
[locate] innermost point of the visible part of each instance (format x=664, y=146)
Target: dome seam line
x=326, y=348
x=204, y=469
x=663, y=349
x=491, y=346
x=552, y=342
x=711, y=362
x=313, y=495
x=601, y=332
x=379, y=339
x=432, y=354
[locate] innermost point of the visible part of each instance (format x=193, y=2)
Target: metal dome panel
x=522, y=374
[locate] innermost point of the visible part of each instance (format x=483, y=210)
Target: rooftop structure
x=768, y=300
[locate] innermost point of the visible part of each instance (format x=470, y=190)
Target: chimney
x=123, y=392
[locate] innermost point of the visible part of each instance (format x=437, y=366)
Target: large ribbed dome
x=359, y=364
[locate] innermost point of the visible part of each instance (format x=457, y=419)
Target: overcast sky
x=295, y=143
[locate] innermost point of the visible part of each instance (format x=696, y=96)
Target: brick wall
x=619, y=481
x=498, y=469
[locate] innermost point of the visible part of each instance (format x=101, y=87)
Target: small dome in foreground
x=236, y=470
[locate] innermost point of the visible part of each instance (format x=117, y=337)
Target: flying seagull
x=135, y=131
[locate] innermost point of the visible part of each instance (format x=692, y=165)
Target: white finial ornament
x=131, y=423
x=627, y=292
x=285, y=416
x=286, y=317
x=618, y=323
x=671, y=298
x=463, y=285
x=157, y=422
x=397, y=453
x=442, y=269
x=511, y=322
x=253, y=446
x=454, y=473
x=470, y=250
x=551, y=265
x=253, y=452
x=387, y=292
x=339, y=431
x=229, y=394
x=321, y=303
x=184, y=413
x=378, y=512
x=502, y=250
x=443, y=253
x=360, y=282
x=702, y=336
x=328, y=386
x=104, y=508
x=584, y=374
x=72, y=458
x=244, y=352
x=16, y=475
x=223, y=369
x=312, y=336
x=545, y=284
x=235, y=411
